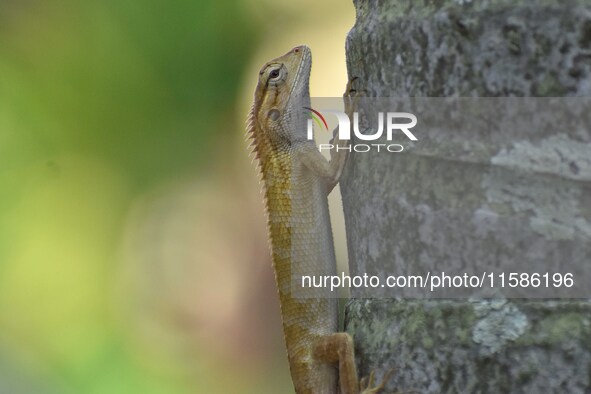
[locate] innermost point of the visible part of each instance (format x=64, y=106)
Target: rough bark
x=462, y=48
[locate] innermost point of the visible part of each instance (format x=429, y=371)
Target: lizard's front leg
x=312, y=159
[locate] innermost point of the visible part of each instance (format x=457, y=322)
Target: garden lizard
x=297, y=180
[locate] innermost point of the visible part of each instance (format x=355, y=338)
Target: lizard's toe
x=367, y=384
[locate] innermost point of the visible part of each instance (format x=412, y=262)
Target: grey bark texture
x=469, y=48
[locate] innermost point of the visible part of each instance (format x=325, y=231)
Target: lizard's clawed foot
x=351, y=96
x=350, y=91
x=367, y=384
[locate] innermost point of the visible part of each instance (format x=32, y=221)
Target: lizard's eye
x=274, y=74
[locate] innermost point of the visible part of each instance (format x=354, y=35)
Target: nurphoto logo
x=393, y=125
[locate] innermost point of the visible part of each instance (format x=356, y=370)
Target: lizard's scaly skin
x=297, y=180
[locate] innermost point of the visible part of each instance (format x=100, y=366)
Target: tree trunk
x=494, y=48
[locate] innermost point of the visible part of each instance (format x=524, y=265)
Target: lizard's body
x=297, y=180
x=298, y=215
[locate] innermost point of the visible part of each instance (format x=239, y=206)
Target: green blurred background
x=133, y=252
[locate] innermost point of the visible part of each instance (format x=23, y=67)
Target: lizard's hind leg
x=339, y=348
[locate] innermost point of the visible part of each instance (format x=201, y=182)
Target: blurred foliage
x=139, y=83
x=99, y=101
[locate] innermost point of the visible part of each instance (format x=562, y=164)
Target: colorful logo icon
x=317, y=116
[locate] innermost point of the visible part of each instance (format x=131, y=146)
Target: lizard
x=297, y=179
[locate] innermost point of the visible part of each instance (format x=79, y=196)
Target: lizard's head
x=281, y=94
